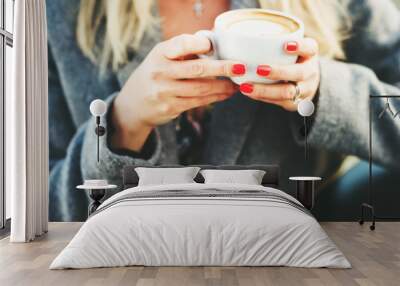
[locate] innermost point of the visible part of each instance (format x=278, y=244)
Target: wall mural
x=183, y=86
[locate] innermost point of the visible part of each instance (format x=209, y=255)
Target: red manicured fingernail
x=263, y=70
x=246, y=88
x=291, y=46
x=238, y=69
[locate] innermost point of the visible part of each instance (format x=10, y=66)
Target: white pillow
x=248, y=177
x=162, y=176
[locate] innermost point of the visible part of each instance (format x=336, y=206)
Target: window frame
x=6, y=39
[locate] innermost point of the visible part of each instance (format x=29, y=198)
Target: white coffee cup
x=254, y=37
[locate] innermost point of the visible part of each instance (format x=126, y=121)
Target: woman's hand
x=165, y=85
x=305, y=73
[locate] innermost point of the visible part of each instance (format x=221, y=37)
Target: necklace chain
x=198, y=8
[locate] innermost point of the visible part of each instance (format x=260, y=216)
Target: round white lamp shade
x=98, y=107
x=305, y=107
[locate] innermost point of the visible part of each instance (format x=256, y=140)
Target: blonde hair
x=126, y=21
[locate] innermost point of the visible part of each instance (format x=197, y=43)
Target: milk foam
x=258, y=28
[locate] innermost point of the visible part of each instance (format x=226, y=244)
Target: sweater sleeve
x=73, y=155
x=341, y=120
x=112, y=161
x=342, y=116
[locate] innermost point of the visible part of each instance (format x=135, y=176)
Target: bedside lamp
x=97, y=188
x=98, y=108
x=305, y=190
x=306, y=186
x=305, y=108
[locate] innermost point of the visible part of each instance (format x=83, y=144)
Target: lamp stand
x=305, y=139
x=100, y=131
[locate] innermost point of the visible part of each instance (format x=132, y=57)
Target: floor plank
x=375, y=257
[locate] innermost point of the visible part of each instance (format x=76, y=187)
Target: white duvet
x=206, y=230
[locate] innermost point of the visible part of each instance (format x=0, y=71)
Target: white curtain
x=27, y=124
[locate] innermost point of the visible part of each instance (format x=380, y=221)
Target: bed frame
x=271, y=177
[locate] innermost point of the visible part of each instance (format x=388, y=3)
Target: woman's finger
x=184, y=45
x=275, y=92
x=202, y=87
x=183, y=104
x=306, y=47
x=288, y=105
x=200, y=68
x=296, y=72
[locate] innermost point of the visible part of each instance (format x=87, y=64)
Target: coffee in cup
x=254, y=37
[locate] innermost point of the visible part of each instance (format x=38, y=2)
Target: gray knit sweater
x=242, y=131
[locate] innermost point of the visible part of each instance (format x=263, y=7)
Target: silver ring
x=298, y=91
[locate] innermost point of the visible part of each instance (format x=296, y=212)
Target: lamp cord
x=98, y=137
x=98, y=144
x=305, y=141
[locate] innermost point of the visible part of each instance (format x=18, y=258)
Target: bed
x=201, y=224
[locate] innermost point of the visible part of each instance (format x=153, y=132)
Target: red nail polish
x=291, y=46
x=238, y=69
x=263, y=70
x=246, y=88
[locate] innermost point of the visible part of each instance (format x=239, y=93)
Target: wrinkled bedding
x=201, y=224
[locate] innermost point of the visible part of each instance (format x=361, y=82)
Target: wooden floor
x=375, y=257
